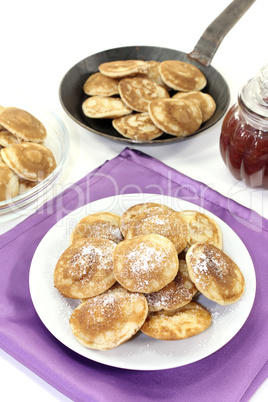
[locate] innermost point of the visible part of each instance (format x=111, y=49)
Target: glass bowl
x=58, y=141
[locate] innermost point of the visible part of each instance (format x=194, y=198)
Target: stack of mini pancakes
x=142, y=271
x=24, y=160
x=145, y=99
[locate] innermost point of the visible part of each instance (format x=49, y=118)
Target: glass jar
x=244, y=133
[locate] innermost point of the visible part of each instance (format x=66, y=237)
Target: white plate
x=140, y=352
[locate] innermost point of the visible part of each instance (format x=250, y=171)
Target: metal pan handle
x=211, y=39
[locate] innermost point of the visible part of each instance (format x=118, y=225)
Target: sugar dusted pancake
x=182, y=76
x=123, y=68
x=8, y=139
x=202, y=229
x=178, y=324
x=215, y=274
x=104, y=107
x=22, y=124
x=137, y=126
x=104, y=322
x=145, y=264
x=178, y=117
x=176, y=294
x=85, y=268
x=205, y=102
x=165, y=223
x=29, y=160
x=105, y=225
x=137, y=92
x=99, y=84
x=9, y=183
x=132, y=213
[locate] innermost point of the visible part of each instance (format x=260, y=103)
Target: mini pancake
x=176, y=294
x=9, y=183
x=103, y=225
x=179, y=117
x=178, y=324
x=22, y=124
x=182, y=76
x=165, y=223
x=205, y=102
x=133, y=212
x=138, y=126
x=29, y=160
x=99, y=84
x=26, y=185
x=202, y=229
x=85, y=268
x=7, y=139
x=137, y=92
x=123, y=68
x=145, y=264
x=104, y=107
x=104, y=322
x=215, y=274
x=153, y=73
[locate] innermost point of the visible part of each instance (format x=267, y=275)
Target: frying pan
x=71, y=88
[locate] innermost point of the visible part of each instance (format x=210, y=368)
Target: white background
x=42, y=40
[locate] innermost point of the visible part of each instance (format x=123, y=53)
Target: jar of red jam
x=244, y=133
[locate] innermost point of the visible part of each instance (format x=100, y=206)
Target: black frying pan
x=71, y=88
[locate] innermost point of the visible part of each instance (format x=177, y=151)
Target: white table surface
x=41, y=40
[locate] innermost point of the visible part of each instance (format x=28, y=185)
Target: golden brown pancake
x=105, y=107
x=85, y=268
x=137, y=126
x=7, y=139
x=153, y=73
x=178, y=117
x=123, y=68
x=137, y=92
x=22, y=124
x=177, y=324
x=100, y=224
x=165, y=223
x=176, y=294
x=25, y=185
x=205, y=102
x=99, y=84
x=215, y=274
x=202, y=229
x=145, y=264
x=182, y=76
x=9, y=183
x=132, y=213
x=29, y=160
x=103, y=322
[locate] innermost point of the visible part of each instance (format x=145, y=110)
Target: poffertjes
x=105, y=225
x=145, y=264
x=132, y=213
x=177, y=324
x=137, y=126
x=22, y=124
x=106, y=321
x=215, y=274
x=176, y=294
x=182, y=76
x=31, y=161
x=85, y=268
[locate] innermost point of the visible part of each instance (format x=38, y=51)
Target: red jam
x=244, y=144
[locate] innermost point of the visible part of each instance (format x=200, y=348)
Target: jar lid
x=254, y=93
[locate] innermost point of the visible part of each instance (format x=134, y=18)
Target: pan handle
x=211, y=39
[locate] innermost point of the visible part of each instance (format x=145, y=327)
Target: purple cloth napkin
x=233, y=373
